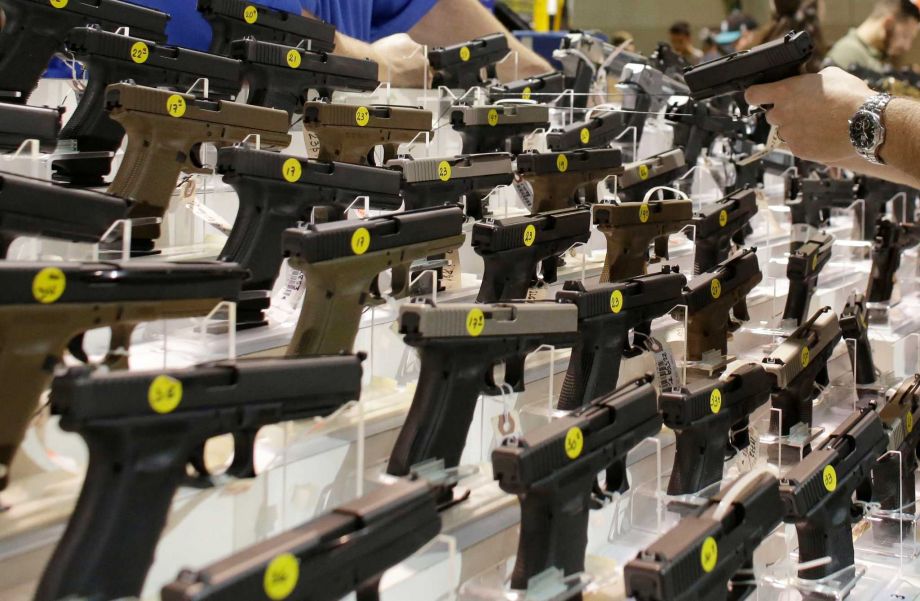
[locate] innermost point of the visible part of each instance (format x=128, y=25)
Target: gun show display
x=276, y=325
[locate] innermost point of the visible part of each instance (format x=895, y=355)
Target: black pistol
x=607, y=313
x=553, y=470
x=705, y=415
x=141, y=429
x=818, y=492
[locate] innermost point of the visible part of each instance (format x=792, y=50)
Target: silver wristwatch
x=867, y=128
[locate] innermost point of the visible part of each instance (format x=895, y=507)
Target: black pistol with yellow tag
x=553, y=470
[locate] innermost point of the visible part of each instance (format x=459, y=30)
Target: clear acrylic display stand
x=551, y=585
x=785, y=450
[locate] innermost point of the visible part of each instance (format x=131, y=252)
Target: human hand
x=402, y=61
x=812, y=112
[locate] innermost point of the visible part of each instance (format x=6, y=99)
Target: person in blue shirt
x=389, y=32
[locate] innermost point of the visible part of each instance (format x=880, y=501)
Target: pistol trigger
x=75, y=347
x=243, y=464
x=823, y=378
x=550, y=269
x=399, y=280
x=376, y=295
x=661, y=248
x=514, y=373
x=199, y=477
x=617, y=478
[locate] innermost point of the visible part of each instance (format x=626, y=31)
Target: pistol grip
x=795, y=408
x=797, y=301
x=106, y=550
x=90, y=125
x=707, y=256
x=505, y=279
x=827, y=534
x=627, y=257
x=442, y=409
x=254, y=242
x=554, y=531
x=25, y=51
x=148, y=175
x=707, y=331
x=594, y=369
x=331, y=313
x=699, y=456
x=893, y=484
x=864, y=361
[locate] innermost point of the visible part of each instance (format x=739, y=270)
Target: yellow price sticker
x=444, y=171
x=362, y=116
x=723, y=218
x=175, y=106
x=525, y=95
x=562, y=163
x=709, y=554
x=475, y=322
x=814, y=262
x=806, y=357
x=465, y=54
x=715, y=289
x=292, y=170
x=294, y=58
x=829, y=478
x=59, y=3
x=645, y=213
x=492, y=118
x=164, y=394
x=643, y=172
x=574, y=442
x=360, y=241
x=530, y=235
x=909, y=422
x=140, y=52
x=585, y=135
x=281, y=577
x=616, y=301
x=715, y=401
x=48, y=285
x=250, y=14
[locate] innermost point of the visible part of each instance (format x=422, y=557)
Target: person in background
x=622, y=37
x=390, y=32
x=736, y=32
x=886, y=35
x=795, y=15
x=682, y=42
x=710, y=48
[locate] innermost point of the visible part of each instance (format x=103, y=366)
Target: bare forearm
x=901, y=150
x=456, y=21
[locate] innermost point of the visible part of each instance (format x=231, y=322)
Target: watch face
x=863, y=130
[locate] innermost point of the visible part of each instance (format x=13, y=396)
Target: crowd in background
x=877, y=44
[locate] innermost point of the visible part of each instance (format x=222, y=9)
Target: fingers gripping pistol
x=165, y=133
x=44, y=306
x=342, y=260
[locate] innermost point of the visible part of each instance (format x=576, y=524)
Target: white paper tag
x=506, y=426
x=666, y=366
x=312, y=143
x=294, y=288
x=452, y=274
x=538, y=292
x=524, y=191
